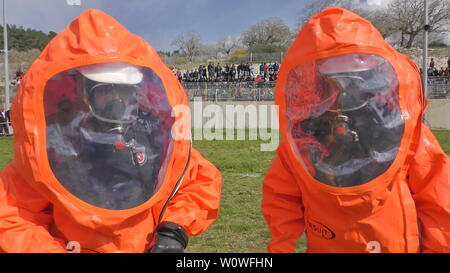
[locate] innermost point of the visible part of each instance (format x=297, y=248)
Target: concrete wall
x=437, y=115
x=264, y=113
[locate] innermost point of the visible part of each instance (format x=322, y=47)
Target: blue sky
x=159, y=21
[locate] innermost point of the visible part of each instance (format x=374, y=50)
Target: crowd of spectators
x=263, y=72
x=435, y=72
x=438, y=80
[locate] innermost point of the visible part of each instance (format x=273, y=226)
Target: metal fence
x=439, y=87
x=230, y=91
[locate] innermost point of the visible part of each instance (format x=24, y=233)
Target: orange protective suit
x=404, y=208
x=38, y=214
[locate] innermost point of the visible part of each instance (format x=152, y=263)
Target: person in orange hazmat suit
x=357, y=170
x=98, y=155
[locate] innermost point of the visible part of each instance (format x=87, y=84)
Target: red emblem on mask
x=139, y=158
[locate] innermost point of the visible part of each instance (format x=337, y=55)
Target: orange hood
x=404, y=208
x=337, y=31
x=93, y=37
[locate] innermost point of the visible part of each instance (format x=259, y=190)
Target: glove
x=169, y=238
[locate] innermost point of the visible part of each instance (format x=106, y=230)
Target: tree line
x=23, y=39
x=400, y=22
x=267, y=36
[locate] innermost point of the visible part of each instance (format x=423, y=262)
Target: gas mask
x=112, y=149
x=345, y=120
x=111, y=92
x=114, y=106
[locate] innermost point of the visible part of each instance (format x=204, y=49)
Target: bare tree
x=209, y=51
x=227, y=44
x=380, y=17
x=315, y=6
x=407, y=16
x=272, y=32
x=402, y=19
x=189, y=44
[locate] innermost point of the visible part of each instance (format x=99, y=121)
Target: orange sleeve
x=429, y=179
x=24, y=218
x=282, y=205
x=196, y=204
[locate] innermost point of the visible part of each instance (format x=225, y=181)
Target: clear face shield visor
x=108, y=133
x=344, y=117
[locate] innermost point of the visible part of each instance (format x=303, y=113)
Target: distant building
x=363, y=2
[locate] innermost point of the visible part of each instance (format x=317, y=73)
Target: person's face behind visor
x=109, y=147
x=344, y=118
x=114, y=103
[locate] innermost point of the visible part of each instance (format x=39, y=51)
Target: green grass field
x=240, y=226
